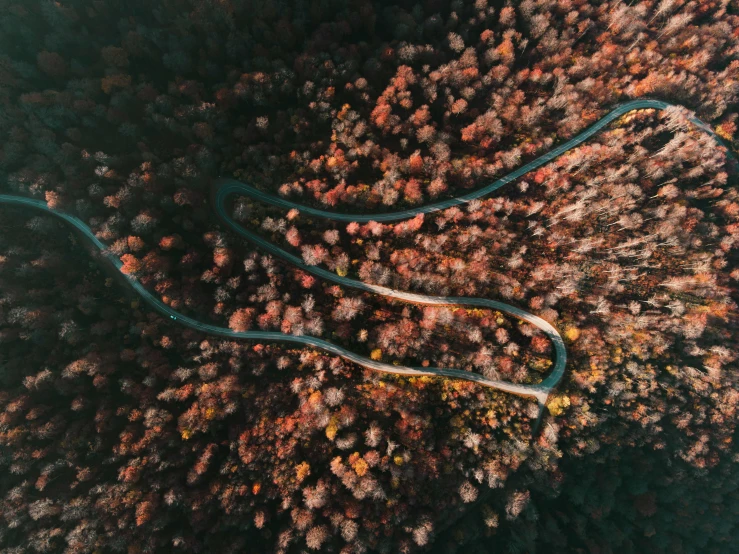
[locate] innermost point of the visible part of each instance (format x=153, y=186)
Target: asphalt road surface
x=224, y=188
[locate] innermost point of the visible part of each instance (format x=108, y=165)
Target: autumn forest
x=124, y=429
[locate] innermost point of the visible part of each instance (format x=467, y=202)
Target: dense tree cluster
x=122, y=432
x=646, y=424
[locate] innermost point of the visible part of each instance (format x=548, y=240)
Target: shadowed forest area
x=122, y=431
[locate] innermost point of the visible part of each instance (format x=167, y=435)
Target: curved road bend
x=223, y=188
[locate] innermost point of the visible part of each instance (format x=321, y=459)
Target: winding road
x=224, y=188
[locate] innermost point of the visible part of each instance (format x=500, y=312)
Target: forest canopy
x=123, y=431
